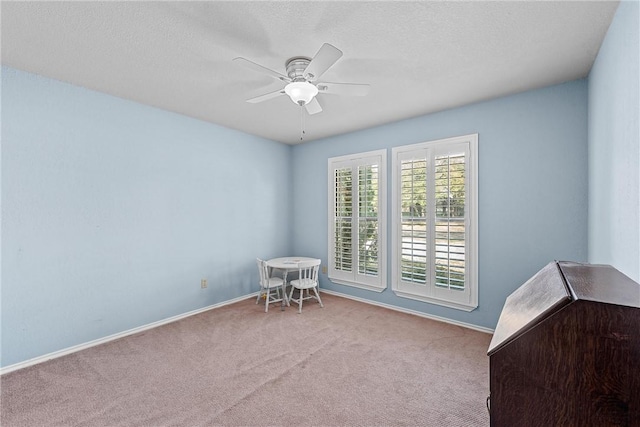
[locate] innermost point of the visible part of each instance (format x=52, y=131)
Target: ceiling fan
x=302, y=79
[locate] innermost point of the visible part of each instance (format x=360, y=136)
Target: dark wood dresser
x=566, y=350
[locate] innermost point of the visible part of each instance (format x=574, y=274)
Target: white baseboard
x=79, y=347
x=415, y=313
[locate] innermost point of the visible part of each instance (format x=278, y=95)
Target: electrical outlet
x=203, y=283
x=324, y=269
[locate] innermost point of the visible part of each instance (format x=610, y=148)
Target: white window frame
x=466, y=300
x=376, y=283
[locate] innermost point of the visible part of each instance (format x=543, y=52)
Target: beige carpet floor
x=349, y=364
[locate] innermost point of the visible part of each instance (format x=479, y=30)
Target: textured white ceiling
x=419, y=57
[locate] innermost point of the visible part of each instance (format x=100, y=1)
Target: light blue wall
x=614, y=146
x=532, y=188
x=113, y=211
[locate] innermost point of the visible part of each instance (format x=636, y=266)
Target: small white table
x=286, y=264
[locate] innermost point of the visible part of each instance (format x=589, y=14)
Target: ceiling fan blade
x=266, y=96
x=313, y=106
x=259, y=68
x=349, y=89
x=324, y=59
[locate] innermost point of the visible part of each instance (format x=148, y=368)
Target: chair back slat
x=309, y=270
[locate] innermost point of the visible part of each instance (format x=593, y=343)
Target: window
x=434, y=217
x=357, y=220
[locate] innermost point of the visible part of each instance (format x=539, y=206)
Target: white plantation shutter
x=357, y=224
x=343, y=219
x=450, y=244
x=414, y=233
x=368, y=235
x=434, y=236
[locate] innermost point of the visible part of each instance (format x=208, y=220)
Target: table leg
x=284, y=291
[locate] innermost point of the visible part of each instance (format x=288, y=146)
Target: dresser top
x=600, y=283
x=555, y=286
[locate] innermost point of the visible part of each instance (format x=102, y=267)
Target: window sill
x=374, y=288
x=437, y=301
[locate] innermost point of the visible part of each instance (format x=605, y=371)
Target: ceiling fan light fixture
x=301, y=93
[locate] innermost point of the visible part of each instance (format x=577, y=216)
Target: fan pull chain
x=301, y=122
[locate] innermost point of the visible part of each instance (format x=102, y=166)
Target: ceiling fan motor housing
x=296, y=66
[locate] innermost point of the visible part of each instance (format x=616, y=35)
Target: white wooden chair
x=268, y=285
x=307, y=280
